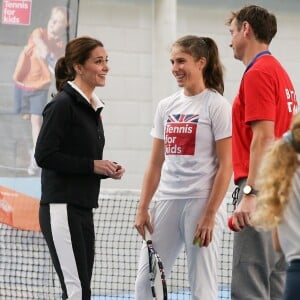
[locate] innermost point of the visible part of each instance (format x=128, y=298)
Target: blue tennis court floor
x=223, y=294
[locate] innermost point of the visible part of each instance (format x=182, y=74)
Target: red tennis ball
x=229, y=223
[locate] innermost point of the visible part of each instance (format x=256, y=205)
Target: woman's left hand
x=204, y=230
x=118, y=173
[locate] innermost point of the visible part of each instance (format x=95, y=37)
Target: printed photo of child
x=34, y=71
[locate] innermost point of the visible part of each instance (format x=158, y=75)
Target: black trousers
x=69, y=233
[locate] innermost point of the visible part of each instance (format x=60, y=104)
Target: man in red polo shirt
x=261, y=112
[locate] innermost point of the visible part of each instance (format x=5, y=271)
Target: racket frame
x=153, y=255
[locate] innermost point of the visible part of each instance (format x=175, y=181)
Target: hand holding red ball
x=230, y=225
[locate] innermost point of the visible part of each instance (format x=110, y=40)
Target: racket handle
x=147, y=234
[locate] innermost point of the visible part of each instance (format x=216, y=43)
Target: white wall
x=126, y=29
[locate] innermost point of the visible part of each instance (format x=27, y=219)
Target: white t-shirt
x=189, y=127
x=289, y=227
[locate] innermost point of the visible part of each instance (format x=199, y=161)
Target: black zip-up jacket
x=71, y=138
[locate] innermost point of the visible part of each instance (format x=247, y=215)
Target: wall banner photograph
x=33, y=35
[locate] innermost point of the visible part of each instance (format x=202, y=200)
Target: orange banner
x=19, y=210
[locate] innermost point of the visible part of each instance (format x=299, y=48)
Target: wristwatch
x=249, y=190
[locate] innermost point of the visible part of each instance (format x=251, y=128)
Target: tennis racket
x=156, y=271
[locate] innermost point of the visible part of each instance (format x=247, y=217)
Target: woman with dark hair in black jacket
x=69, y=150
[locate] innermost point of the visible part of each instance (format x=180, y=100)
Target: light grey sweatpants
x=174, y=223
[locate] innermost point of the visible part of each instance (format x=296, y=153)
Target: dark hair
x=205, y=47
x=77, y=51
x=263, y=23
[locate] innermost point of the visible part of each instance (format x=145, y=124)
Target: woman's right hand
x=142, y=220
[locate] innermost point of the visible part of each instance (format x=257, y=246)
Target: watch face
x=247, y=189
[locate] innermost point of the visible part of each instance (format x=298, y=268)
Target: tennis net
x=26, y=270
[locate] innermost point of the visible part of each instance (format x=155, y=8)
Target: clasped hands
x=108, y=168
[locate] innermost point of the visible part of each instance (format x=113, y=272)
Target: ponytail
x=213, y=71
x=62, y=74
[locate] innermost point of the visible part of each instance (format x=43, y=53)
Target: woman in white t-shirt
x=189, y=170
x=278, y=202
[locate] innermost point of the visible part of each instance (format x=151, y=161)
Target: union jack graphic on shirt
x=183, y=118
x=180, y=134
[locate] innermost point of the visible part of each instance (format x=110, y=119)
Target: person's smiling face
x=186, y=70
x=95, y=69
